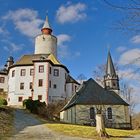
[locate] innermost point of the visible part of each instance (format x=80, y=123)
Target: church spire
x=46, y=29
x=111, y=80
x=110, y=70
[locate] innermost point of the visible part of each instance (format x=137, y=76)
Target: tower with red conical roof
x=46, y=43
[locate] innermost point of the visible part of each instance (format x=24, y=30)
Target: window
x=50, y=70
x=31, y=72
x=39, y=97
x=2, y=79
x=75, y=88
x=65, y=87
x=50, y=98
x=21, y=86
x=30, y=98
x=1, y=89
x=20, y=99
x=41, y=69
x=31, y=85
x=114, y=84
x=22, y=72
x=40, y=82
x=56, y=72
x=92, y=113
x=65, y=76
x=109, y=113
x=54, y=86
x=50, y=84
x=13, y=73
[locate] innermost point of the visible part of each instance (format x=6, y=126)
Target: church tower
x=46, y=43
x=111, y=79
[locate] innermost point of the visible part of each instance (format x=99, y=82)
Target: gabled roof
x=28, y=60
x=110, y=70
x=53, y=59
x=91, y=93
x=70, y=79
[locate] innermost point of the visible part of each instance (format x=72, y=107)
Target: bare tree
x=130, y=10
x=127, y=94
x=81, y=77
x=98, y=74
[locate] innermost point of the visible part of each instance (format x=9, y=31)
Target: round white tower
x=46, y=43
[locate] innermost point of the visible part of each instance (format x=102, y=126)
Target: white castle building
x=39, y=76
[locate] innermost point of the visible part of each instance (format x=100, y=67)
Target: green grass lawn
x=6, y=121
x=90, y=132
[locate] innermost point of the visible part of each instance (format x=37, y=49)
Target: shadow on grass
x=121, y=136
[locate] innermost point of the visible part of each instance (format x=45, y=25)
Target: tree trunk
x=100, y=127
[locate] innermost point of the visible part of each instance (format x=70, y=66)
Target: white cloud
x=12, y=47
x=63, y=48
x=135, y=39
x=131, y=56
x=121, y=49
x=71, y=13
x=62, y=38
x=26, y=21
x=129, y=74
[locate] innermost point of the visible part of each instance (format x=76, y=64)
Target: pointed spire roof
x=46, y=24
x=110, y=70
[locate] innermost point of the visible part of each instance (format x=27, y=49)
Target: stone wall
x=80, y=114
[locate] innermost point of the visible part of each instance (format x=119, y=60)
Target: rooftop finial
x=46, y=29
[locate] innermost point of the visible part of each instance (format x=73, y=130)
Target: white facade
x=14, y=84
x=58, y=84
x=53, y=88
x=71, y=88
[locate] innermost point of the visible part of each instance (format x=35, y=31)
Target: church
x=39, y=76
x=91, y=98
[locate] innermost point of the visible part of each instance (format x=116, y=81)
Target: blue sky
x=84, y=30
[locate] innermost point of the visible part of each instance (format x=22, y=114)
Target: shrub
x=33, y=105
x=3, y=101
x=50, y=111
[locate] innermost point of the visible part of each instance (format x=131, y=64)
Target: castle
x=39, y=76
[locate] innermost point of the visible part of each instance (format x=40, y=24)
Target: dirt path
x=27, y=127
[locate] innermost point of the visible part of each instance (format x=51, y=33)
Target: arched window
x=109, y=113
x=92, y=113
